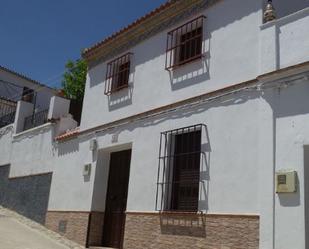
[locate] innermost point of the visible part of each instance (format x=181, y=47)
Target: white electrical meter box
x=286, y=182
x=87, y=169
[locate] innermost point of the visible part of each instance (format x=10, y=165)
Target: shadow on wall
x=27, y=195
x=68, y=147
x=195, y=72
x=233, y=99
x=292, y=100
x=244, y=8
x=123, y=97
x=289, y=101
x=147, y=51
x=165, y=182
x=205, y=173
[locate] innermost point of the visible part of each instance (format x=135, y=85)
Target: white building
x=193, y=134
x=14, y=87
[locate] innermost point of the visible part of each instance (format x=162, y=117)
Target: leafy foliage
x=74, y=79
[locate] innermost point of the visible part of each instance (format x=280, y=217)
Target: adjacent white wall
x=43, y=96
x=6, y=134
x=32, y=151
x=284, y=42
x=24, y=109
x=58, y=107
x=293, y=38
x=292, y=116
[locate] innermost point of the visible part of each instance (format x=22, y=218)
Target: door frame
x=120, y=149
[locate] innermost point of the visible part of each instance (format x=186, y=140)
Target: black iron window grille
x=117, y=74
x=7, y=111
x=178, y=177
x=36, y=119
x=184, y=44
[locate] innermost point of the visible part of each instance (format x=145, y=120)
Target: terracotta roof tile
x=68, y=134
x=162, y=7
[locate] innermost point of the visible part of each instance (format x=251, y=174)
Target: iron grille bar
x=189, y=22
x=182, y=154
x=36, y=119
x=171, y=182
x=184, y=43
x=117, y=74
x=7, y=111
x=179, y=168
x=184, y=128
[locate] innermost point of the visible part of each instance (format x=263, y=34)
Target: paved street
x=17, y=232
x=15, y=235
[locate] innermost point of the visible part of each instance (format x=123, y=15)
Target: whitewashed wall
x=284, y=42
x=292, y=116
x=6, y=134
x=43, y=96
x=231, y=46
x=230, y=168
x=237, y=47
x=32, y=151
x=70, y=190
x=229, y=174
x=250, y=135
x=247, y=133
x=29, y=152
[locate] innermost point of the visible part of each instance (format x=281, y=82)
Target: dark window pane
x=186, y=168
x=184, y=44
x=191, y=45
x=117, y=74
x=28, y=95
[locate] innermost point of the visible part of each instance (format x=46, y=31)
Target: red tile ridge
x=68, y=134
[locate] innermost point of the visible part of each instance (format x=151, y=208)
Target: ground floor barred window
x=179, y=169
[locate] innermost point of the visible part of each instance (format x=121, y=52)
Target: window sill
x=181, y=64
x=175, y=212
x=117, y=90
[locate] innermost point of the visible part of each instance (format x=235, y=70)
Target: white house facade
x=14, y=87
x=193, y=134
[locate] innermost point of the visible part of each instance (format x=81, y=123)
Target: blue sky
x=37, y=37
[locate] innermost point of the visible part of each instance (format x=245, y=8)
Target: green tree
x=74, y=79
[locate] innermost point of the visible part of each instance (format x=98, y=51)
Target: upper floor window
x=117, y=74
x=184, y=44
x=28, y=94
x=179, y=169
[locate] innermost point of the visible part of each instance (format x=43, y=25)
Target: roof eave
x=150, y=21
